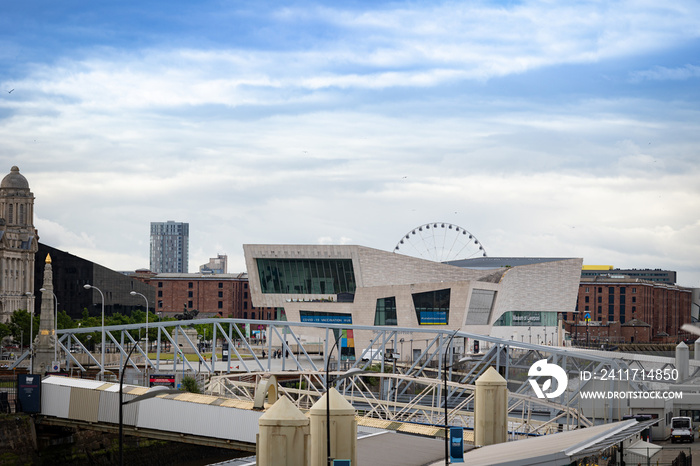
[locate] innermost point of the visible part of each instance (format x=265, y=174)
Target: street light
x=350, y=373
x=55, y=336
x=444, y=378
x=102, y=358
x=31, y=331
x=133, y=293
x=152, y=392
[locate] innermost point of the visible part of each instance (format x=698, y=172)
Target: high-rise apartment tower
x=169, y=246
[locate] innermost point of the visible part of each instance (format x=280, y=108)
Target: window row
x=306, y=276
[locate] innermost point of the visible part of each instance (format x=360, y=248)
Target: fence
x=8, y=394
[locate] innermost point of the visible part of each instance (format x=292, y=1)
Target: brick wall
x=209, y=294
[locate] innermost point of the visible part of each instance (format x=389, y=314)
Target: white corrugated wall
x=198, y=419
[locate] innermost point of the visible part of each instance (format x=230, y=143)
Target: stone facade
x=543, y=286
x=18, y=244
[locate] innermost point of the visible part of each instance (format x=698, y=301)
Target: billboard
x=161, y=380
x=29, y=393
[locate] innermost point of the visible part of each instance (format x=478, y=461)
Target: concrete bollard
x=283, y=438
x=343, y=430
x=490, y=409
x=682, y=361
x=697, y=349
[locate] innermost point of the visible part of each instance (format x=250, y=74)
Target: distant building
x=518, y=298
x=652, y=275
x=18, y=244
x=169, y=247
x=607, y=300
x=71, y=273
x=225, y=295
x=218, y=265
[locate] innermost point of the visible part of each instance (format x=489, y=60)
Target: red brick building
x=226, y=295
x=597, y=333
x=611, y=300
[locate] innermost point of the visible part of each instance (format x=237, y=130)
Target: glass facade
x=385, y=314
x=432, y=307
x=527, y=318
x=306, y=276
x=70, y=273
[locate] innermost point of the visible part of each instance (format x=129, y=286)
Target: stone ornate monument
x=44, y=344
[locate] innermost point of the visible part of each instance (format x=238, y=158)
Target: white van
x=682, y=429
x=374, y=354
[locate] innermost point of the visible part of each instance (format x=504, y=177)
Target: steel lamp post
x=350, y=373
x=102, y=357
x=152, y=392
x=31, y=331
x=134, y=293
x=444, y=378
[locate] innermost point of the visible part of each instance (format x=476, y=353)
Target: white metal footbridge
x=406, y=389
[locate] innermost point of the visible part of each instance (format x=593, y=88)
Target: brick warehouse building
x=226, y=295
x=613, y=302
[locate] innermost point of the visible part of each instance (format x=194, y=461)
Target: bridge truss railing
x=511, y=358
x=305, y=388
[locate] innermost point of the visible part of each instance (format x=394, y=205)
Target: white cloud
x=388, y=123
x=57, y=235
x=660, y=73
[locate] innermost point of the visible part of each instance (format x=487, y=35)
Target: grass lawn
x=193, y=357
x=190, y=357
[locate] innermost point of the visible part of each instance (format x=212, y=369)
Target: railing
x=8, y=394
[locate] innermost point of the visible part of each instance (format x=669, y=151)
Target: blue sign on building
x=326, y=319
x=433, y=317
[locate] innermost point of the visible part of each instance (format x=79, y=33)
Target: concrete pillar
x=343, y=430
x=490, y=409
x=283, y=438
x=682, y=361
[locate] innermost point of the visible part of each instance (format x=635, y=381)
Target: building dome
x=14, y=180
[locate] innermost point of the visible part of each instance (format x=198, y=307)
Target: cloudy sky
x=544, y=128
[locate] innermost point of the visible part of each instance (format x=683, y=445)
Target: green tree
x=64, y=321
x=20, y=325
x=4, y=330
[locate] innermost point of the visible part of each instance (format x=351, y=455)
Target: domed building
x=18, y=244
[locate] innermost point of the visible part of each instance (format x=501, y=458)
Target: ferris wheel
x=440, y=242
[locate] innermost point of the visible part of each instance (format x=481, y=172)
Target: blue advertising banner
x=433, y=317
x=456, y=445
x=29, y=393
